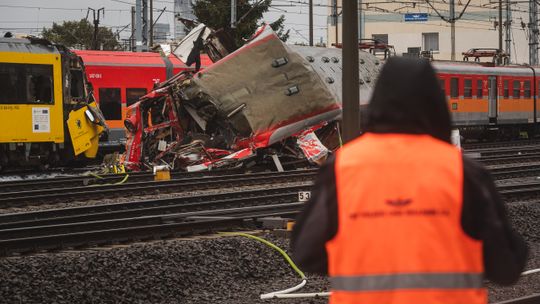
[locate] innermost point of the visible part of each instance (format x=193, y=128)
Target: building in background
x=182, y=9
x=413, y=26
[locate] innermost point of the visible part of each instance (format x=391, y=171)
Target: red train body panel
x=119, y=79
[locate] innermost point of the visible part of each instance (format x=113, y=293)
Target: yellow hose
x=283, y=253
x=117, y=183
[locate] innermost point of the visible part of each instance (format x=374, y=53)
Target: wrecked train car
x=265, y=103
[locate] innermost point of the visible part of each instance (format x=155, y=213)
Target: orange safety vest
x=400, y=239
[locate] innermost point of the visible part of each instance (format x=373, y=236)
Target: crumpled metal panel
x=257, y=92
x=327, y=62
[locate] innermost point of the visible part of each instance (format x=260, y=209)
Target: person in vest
x=399, y=215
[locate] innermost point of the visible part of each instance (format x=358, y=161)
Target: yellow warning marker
x=290, y=225
x=162, y=173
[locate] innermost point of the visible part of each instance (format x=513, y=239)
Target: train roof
x=141, y=59
x=473, y=68
x=113, y=58
x=25, y=45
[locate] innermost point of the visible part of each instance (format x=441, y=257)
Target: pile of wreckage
x=264, y=104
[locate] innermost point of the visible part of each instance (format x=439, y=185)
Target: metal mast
x=500, y=29
x=141, y=25
x=310, y=22
x=508, y=29
x=351, y=90
x=453, y=29
x=233, y=13
x=533, y=32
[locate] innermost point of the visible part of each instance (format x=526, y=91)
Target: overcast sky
x=30, y=16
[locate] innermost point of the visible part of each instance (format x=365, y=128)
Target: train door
x=492, y=99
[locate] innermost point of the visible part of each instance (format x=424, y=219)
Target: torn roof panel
x=264, y=86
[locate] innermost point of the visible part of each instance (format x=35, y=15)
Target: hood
x=408, y=99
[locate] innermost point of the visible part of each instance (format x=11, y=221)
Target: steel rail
x=150, y=207
x=107, y=232
x=85, y=180
x=38, y=197
x=531, y=299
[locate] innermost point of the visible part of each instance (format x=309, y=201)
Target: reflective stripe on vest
x=407, y=281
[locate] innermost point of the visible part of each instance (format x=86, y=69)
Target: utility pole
x=360, y=30
x=452, y=20
x=335, y=14
x=141, y=25
x=233, y=13
x=533, y=32
x=500, y=28
x=351, y=90
x=310, y=22
x=508, y=24
x=132, y=38
x=151, y=22
x=453, y=29
x=96, y=16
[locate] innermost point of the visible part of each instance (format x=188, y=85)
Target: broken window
x=133, y=95
x=77, y=84
x=110, y=103
x=26, y=83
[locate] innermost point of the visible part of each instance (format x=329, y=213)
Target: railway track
x=87, y=180
x=143, y=220
x=60, y=194
x=500, y=173
x=532, y=299
x=501, y=144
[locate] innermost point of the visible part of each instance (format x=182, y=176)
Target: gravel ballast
x=198, y=270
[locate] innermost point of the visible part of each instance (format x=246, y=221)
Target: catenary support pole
x=132, y=38
x=533, y=32
x=336, y=19
x=310, y=22
x=508, y=31
x=351, y=92
x=233, y=13
x=151, y=31
x=453, y=29
x=500, y=29
x=138, y=25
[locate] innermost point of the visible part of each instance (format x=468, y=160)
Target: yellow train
x=47, y=112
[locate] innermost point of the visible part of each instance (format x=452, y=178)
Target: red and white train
x=119, y=79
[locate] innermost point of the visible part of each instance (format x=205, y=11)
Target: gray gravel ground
x=203, y=270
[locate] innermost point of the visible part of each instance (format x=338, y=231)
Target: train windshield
x=26, y=83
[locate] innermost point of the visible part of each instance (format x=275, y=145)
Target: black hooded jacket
x=408, y=99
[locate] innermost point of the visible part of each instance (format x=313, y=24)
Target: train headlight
x=90, y=116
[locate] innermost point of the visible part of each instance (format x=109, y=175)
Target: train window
x=517, y=87
x=467, y=88
x=479, y=88
x=133, y=95
x=506, y=92
x=527, y=89
x=26, y=83
x=110, y=103
x=442, y=83
x=454, y=88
